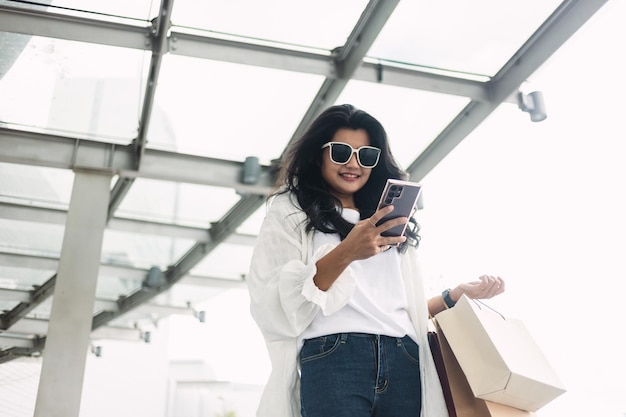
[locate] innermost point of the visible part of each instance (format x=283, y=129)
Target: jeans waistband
x=345, y=336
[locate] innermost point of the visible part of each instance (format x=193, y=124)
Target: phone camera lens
x=388, y=201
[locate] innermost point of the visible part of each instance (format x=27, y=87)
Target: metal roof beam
x=36, y=326
x=15, y=341
x=20, y=260
x=323, y=64
x=27, y=148
x=552, y=34
x=234, y=50
x=32, y=148
x=37, y=296
x=348, y=58
x=110, y=271
x=412, y=77
x=73, y=28
x=566, y=20
x=130, y=334
x=30, y=213
x=241, y=51
x=158, y=43
x=10, y=294
x=159, y=47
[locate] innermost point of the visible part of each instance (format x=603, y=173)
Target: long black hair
x=300, y=172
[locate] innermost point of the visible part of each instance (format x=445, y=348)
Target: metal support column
x=67, y=342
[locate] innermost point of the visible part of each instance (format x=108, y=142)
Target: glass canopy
x=170, y=100
x=198, y=88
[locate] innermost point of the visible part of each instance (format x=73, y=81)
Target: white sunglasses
x=341, y=153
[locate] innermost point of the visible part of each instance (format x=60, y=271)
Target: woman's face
x=345, y=180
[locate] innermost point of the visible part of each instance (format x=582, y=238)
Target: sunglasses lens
x=340, y=153
x=369, y=156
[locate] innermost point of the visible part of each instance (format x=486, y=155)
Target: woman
x=342, y=308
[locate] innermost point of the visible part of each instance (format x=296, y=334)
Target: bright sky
x=540, y=204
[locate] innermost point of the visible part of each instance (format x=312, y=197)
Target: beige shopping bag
x=457, y=392
x=500, y=359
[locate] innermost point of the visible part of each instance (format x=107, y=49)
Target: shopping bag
x=457, y=392
x=435, y=349
x=500, y=359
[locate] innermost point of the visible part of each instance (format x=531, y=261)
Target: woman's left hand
x=487, y=286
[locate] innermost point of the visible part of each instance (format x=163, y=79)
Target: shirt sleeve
x=338, y=295
x=283, y=298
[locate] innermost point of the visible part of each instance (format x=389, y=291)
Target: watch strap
x=446, y=298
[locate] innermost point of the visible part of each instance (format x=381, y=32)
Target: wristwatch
x=446, y=298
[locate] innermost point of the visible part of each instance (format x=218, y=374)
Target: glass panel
x=473, y=37
x=142, y=251
x=185, y=204
x=72, y=88
x=228, y=111
x=99, y=9
x=8, y=305
x=112, y=287
x=41, y=186
x=227, y=261
x=20, y=383
x=17, y=278
x=32, y=238
x=43, y=310
x=253, y=223
x=412, y=118
x=321, y=24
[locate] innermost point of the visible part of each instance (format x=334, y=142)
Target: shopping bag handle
x=478, y=302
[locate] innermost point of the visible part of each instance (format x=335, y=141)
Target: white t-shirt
x=378, y=305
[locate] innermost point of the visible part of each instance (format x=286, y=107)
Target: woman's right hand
x=365, y=239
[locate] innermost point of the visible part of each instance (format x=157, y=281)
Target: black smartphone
x=402, y=195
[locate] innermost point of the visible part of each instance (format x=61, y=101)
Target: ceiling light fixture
x=251, y=170
x=533, y=104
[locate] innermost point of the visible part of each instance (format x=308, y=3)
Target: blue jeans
x=360, y=375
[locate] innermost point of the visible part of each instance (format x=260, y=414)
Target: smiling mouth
x=349, y=175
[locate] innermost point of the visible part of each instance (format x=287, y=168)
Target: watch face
x=447, y=299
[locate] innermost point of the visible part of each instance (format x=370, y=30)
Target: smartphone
x=402, y=195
